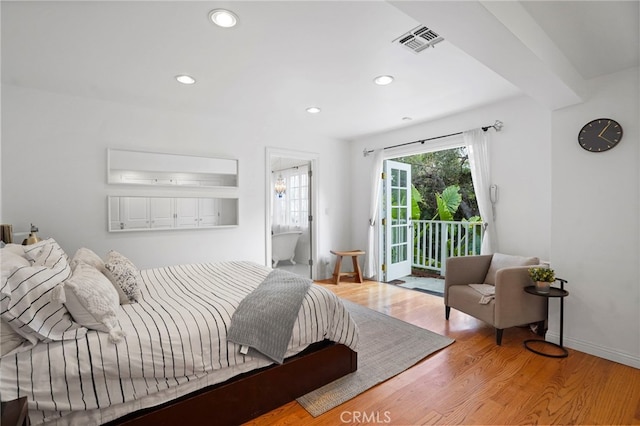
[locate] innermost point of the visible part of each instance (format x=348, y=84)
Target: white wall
x=54, y=175
x=578, y=210
x=594, y=239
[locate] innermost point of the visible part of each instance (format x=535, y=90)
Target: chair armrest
x=514, y=306
x=512, y=280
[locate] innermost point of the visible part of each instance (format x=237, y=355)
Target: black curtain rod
x=497, y=126
x=288, y=168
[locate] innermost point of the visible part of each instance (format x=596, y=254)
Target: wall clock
x=600, y=135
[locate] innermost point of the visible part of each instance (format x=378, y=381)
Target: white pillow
x=124, y=274
x=9, y=339
x=499, y=261
x=14, y=248
x=10, y=261
x=92, y=301
x=26, y=303
x=88, y=256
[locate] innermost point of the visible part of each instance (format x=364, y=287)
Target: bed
x=166, y=355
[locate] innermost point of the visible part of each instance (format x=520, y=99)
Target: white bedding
x=175, y=343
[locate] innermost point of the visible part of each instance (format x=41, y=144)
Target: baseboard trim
x=596, y=350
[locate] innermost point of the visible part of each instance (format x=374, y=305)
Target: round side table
x=554, y=292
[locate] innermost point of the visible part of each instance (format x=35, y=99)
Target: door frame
x=449, y=142
x=313, y=159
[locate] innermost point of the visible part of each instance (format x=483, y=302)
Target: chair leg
x=447, y=311
x=499, y=336
x=541, y=330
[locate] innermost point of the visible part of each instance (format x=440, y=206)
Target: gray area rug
x=387, y=347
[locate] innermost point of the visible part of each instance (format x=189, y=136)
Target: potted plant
x=543, y=277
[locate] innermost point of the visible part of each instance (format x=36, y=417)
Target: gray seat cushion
x=466, y=299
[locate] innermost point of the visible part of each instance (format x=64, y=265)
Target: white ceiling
x=286, y=56
x=598, y=37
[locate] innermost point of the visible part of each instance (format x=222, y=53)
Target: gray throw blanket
x=264, y=319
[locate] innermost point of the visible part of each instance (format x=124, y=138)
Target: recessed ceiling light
x=383, y=80
x=185, y=79
x=223, y=18
x=313, y=110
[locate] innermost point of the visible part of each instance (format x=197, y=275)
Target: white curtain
x=371, y=257
x=478, y=149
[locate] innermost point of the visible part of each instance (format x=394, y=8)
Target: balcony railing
x=434, y=241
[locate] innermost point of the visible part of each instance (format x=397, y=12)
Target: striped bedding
x=175, y=343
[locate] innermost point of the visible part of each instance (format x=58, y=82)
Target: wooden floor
x=473, y=381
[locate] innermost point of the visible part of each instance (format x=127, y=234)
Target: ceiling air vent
x=419, y=38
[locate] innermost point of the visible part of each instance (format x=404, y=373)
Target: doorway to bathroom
x=291, y=227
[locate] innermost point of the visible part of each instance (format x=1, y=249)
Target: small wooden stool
x=356, y=274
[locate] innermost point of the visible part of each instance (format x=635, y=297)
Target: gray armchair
x=511, y=306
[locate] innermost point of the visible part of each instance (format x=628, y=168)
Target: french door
x=398, y=237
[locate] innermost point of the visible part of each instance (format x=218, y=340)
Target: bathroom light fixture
x=313, y=110
x=383, y=80
x=223, y=18
x=185, y=79
x=280, y=186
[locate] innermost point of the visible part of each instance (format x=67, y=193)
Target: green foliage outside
x=442, y=189
x=416, y=199
x=432, y=173
x=448, y=203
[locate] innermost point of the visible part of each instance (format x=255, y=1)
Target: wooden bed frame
x=252, y=394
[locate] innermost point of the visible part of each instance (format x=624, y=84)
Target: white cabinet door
x=161, y=212
x=208, y=212
x=187, y=212
x=138, y=213
x=134, y=212
x=114, y=214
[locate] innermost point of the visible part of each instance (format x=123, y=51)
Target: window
x=291, y=208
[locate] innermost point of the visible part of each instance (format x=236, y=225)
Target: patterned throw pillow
x=124, y=273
